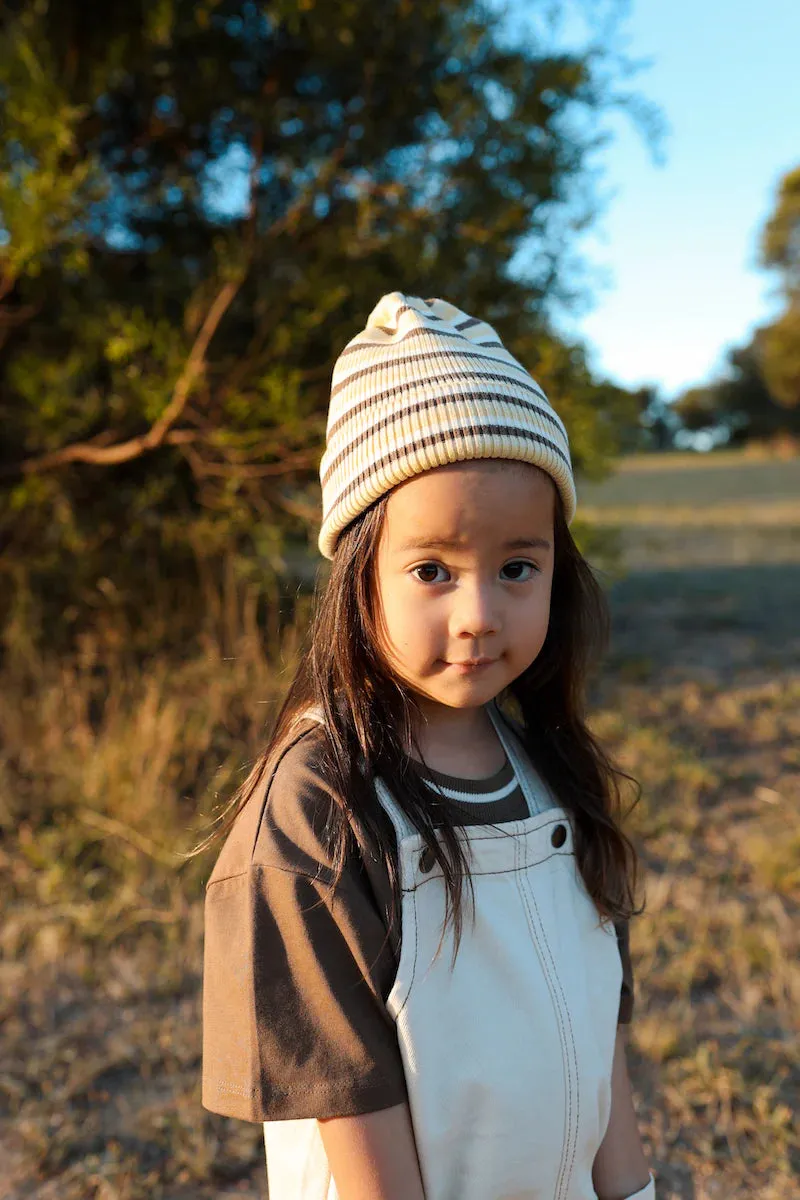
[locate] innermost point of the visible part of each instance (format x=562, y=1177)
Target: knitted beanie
x=424, y=385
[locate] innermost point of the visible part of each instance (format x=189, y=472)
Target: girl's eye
x=518, y=568
x=428, y=567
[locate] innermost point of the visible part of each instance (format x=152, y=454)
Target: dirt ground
x=100, y=1081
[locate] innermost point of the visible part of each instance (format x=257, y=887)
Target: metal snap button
x=559, y=835
x=426, y=860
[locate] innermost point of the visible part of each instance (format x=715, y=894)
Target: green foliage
x=759, y=395
x=780, y=250
x=199, y=205
x=741, y=402
x=46, y=180
x=780, y=355
x=780, y=241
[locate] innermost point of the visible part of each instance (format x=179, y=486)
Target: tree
x=759, y=394
x=740, y=404
x=780, y=240
x=199, y=204
x=779, y=344
x=656, y=424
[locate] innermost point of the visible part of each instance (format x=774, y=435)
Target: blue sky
x=678, y=241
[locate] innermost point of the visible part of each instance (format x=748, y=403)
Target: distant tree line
x=758, y=396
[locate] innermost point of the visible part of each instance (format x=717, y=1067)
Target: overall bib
x=508, y=1057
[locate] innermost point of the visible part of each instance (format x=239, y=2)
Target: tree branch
x=159, y=433
x=299, y=461
x=92, y=450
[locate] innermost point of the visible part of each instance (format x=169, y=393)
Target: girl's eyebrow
x=423, y=543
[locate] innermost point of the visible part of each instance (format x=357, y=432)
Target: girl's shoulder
x=285, y=819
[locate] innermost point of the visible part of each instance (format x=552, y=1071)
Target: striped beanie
x=424, y=385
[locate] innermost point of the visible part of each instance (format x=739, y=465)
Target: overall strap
x=402, y=826
x=528, y=780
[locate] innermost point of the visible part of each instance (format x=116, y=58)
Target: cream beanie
x=424, y=385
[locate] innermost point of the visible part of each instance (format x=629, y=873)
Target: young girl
x=433, y=734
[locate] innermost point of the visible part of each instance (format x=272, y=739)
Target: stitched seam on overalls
x=561, y=1030
x=572, y=1040
x=558, y=817
x=505, y=871
x=553, y=819
x=524, y=781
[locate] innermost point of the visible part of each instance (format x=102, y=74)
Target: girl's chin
x=466, y=693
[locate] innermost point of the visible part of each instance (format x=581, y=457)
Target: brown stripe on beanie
x=412, y=333
x=363, y=406
x=465, y=356
x=362, y=434
x=451, y=438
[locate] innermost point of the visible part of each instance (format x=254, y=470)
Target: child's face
x=484, y=594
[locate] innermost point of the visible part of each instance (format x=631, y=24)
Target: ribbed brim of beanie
x=423, y=385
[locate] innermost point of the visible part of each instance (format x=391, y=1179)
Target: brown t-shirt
x=295, y=982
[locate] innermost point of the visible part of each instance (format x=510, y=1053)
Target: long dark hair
x=370, y=718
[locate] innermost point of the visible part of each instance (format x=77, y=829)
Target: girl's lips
x=466, y=667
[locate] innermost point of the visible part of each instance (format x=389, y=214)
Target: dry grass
x=682, y=510
x=101, y=779
x=725, y=476
x=717, y=950
x=765, y=513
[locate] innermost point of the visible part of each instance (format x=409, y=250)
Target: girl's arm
x=374, y=1156
x=620, y=1168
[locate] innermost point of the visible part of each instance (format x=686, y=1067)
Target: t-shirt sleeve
x=626, y=991
x=294, y=1020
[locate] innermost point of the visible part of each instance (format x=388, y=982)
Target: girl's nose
x=475, y=614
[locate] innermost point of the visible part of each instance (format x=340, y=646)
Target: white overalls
x=508, y=1059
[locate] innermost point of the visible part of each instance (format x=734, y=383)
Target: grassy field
x=684, y=510
x=101, y=940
